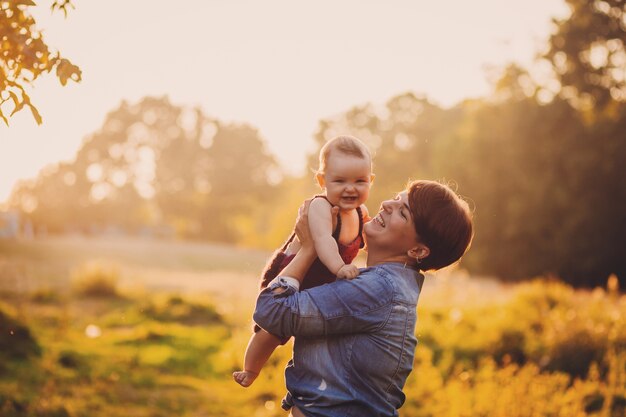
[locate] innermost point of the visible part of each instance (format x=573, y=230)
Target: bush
x=175, y=309
x=71, y=360
x=16, y=341
x=509, y=348
x=574, y=352
x=11, y=407
x=96, y=280
x=45, y=296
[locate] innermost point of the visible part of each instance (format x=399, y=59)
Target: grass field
x=155, y=328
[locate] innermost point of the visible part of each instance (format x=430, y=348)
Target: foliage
x=155, y=169
x=460, y=369
x=95, y=279
x=526, y=168
x=176, y=309
x=402, y=137
x=587, y=52
x=25, y=56
x=558, y=332
x=154, y=367
x=545, y=178
x=544, y=186
x=45, y=296
x=505, y=355
x=16, y=339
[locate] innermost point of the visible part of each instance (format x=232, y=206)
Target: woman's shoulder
x=388, y=269
x=398, y=276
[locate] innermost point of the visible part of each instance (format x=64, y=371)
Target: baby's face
x=347, y=180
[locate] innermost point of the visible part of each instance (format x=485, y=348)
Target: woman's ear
x=320, y=179
x=419, y=252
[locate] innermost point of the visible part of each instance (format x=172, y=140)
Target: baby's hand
x=348, y=271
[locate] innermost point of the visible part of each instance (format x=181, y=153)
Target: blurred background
x=153, y=154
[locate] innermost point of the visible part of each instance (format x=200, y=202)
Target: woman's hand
x=305, y=256
x=302, y=226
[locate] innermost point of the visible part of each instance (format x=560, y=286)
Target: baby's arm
x=348, y=271
x=321, y=227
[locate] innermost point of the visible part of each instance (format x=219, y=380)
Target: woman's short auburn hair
x=443, y=222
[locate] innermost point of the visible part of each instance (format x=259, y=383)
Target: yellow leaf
x=66, y=70
x=14, y=97
x=35, y=113
x=18, y=107
x=22, y=2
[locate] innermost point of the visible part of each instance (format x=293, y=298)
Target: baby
x=345, y=177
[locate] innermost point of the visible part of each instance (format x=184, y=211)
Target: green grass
x=177, y=326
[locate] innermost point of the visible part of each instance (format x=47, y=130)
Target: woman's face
x=392, y=230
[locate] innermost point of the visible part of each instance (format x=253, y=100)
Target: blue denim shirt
x=355, y=340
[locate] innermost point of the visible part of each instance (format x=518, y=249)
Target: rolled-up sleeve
x=345, y=306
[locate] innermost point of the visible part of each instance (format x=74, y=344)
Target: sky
x=279, y=65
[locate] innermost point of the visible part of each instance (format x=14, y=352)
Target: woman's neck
x=373, y=260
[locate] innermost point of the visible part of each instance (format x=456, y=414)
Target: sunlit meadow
x=155, y=328
x=200, y=122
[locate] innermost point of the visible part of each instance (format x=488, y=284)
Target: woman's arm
x=341, y=307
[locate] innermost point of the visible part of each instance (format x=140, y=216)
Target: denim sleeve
x=345, y=306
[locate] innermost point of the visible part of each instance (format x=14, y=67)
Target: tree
x=242, y=178
x=403, y=138
x=588, y=52
x=545, y=184
x=153, y=165
x=25, y=56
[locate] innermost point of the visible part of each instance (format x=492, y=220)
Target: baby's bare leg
x=296, y=413
x=260, y=348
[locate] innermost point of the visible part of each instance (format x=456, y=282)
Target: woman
x=356, y=338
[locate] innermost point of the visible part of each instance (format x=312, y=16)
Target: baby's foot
x=245, y=378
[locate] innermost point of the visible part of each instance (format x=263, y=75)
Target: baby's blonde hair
x=346, y=144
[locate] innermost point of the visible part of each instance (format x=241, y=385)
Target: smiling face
x=346, y=180
x=391, y=233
